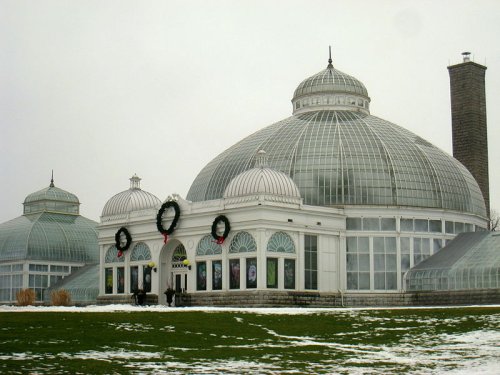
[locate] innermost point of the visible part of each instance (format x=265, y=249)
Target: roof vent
x=135, y=182
x=261, y=159
x=466, y=56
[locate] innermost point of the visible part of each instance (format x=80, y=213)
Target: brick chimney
x=468, y=121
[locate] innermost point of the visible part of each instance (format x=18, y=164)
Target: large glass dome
x=338, y=154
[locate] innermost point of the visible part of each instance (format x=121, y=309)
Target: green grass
x=341, y=341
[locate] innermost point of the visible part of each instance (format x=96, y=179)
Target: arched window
x=179, y=256
x=140, y=252
x=242, y=242
x=112, y=256
x=281, y=242
x=208, y=246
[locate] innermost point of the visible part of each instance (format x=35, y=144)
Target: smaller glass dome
x=51, y=199
x=330, y=89
x=262, y=180
x=133, y=199
x=49, y=236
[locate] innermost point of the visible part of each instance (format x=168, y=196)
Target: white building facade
x=329, y=202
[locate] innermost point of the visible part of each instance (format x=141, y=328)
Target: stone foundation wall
x=456, y=297
x=314, y=299
x=264, y=298
x=299, y=299
x=151, y=299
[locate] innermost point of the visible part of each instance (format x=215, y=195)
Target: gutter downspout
x=341, y=297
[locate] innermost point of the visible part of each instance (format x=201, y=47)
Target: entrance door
x=180, y=286
x=180, y=281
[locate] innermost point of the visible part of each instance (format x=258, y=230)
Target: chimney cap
x=466, y=56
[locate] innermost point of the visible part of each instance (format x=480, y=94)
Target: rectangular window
x=417, y=251
x=459, y=227
x=449, y=228
x=272, y=273
x=146, y=278
x=108, y=280
x=54, y=279
x=421, y=225
x=289, y=274
x=379, y=280
x=134, y=279
x=39, y=267
x=63, y=269
x=17, y=267
x=358, y=262
x=436, y=245
x=5, y=287
x=120, y=280
x=17, y=284
x=311, y=262
x=38, y=283
x=384, y=263
x=426, y=248
x=251, y=272
x=435, y=226
x=201, y=276
x=216, y=275
x=353, y=223
x=388, y=224
x=371, y=224
x=234, y=274
x=5, y=269
x=406, y=225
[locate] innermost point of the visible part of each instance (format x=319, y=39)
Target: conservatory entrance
x=175, y=269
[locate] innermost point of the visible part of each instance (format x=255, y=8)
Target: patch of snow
x=209, y=309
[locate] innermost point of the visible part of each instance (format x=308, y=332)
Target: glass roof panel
x=344, y=157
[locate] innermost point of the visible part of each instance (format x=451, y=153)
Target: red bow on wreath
x=165, y=238
x=220, y=240
x=120, y=253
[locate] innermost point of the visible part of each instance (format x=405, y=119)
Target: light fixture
x=152, y=265
x=187, y=264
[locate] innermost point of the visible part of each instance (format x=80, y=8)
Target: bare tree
x=494, y=220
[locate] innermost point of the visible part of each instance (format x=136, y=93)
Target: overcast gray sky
x=100, y=90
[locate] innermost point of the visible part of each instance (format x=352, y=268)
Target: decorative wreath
x=165, y=206
x=227, y=227
x=118, y=245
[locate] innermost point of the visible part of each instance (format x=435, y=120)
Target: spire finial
x=52, y=179
x=330, y=58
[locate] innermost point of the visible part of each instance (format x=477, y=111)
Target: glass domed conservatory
x=403, y=197
x=339, y=155
x=340, y=202
x=47, y=243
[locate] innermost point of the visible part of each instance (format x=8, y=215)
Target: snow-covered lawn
x=196, y=340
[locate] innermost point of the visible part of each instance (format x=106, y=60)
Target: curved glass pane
x=349, y=158
x=243, y=242
x=140, y=252
x=179, y=254
x=112, y=256
x=281, y=242
x=208, y=246
x=51, y=237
